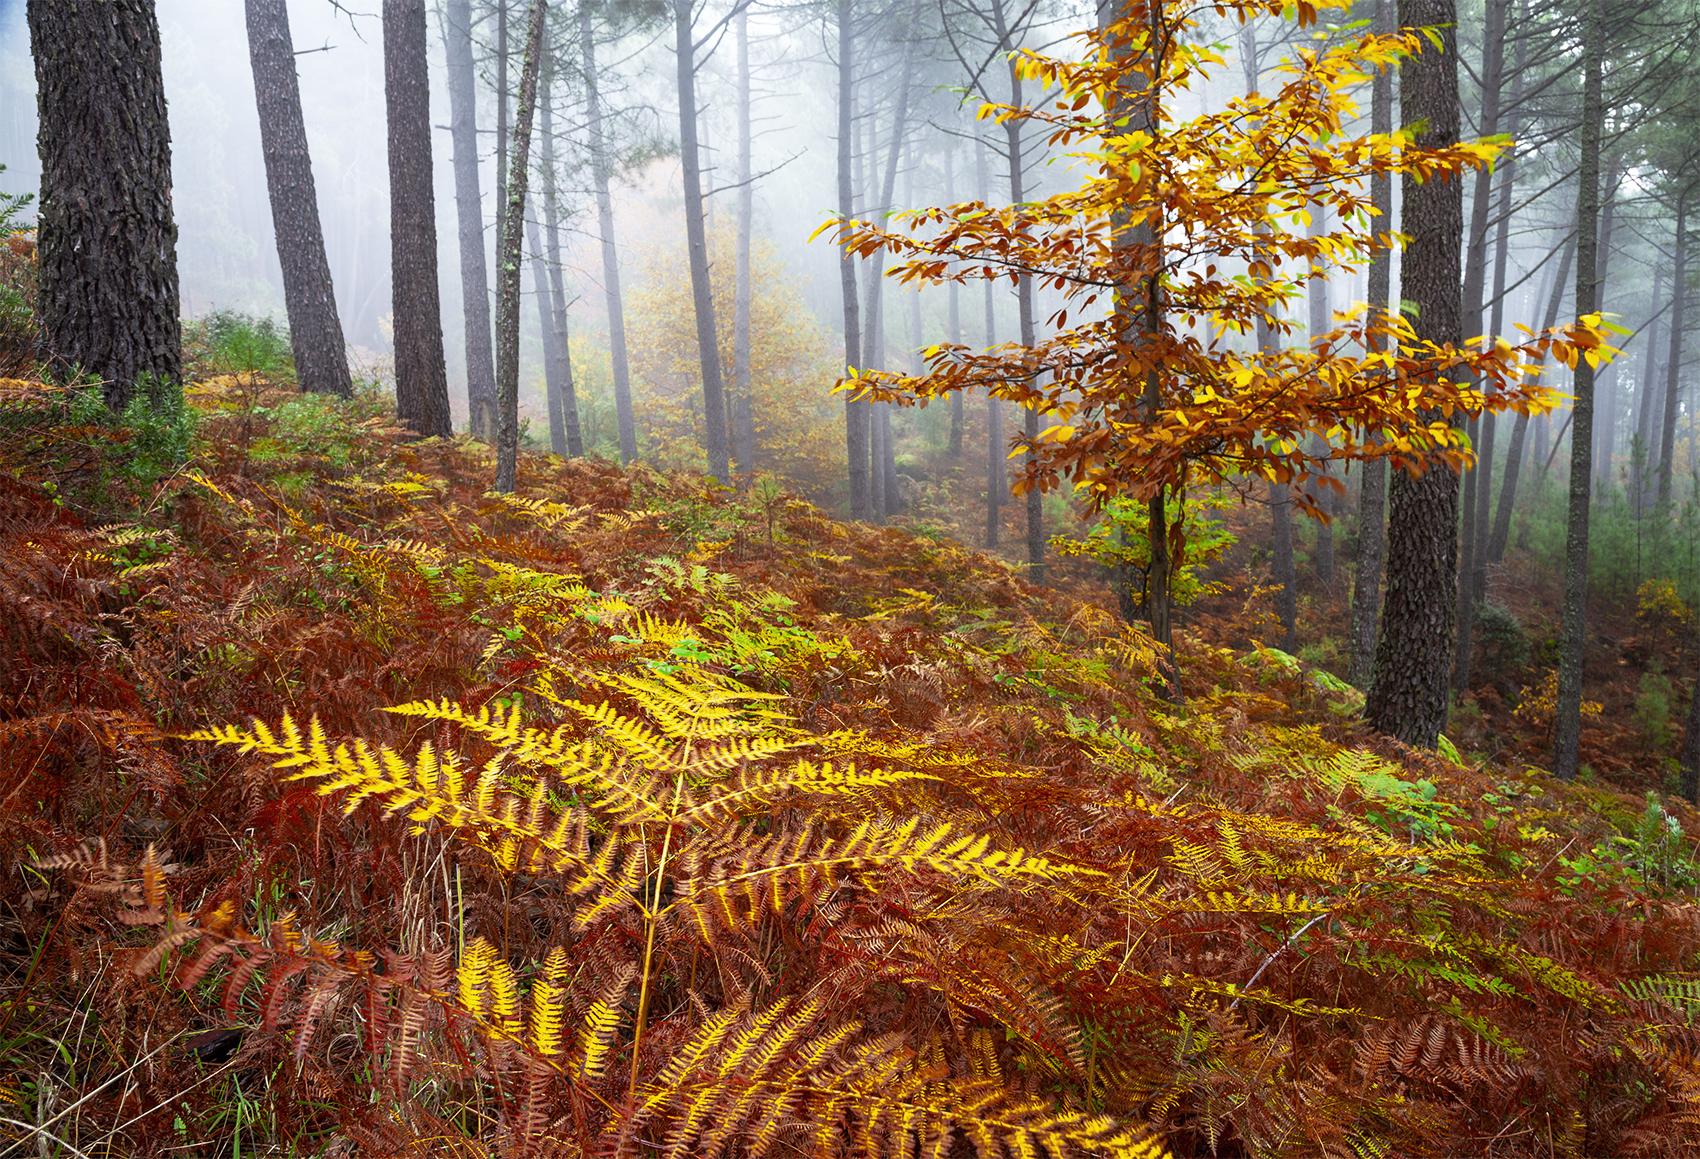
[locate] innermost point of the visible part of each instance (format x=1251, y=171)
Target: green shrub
x=239, y=343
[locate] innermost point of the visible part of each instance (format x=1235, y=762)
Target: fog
x=226, y=250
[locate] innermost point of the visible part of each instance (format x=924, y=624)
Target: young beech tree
x=1182, y=221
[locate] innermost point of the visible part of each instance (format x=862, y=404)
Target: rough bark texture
x=602, y=170
x=696, y=241
x=315, y=331
x=1646, y=399
x=743, y=409
x=1372, y=498
x=1520, y=430
x=107, y=244
x=469, y=216
x=508, y=261
x=1320, y=318
x=1567, y=725
x=1690, y=757
x=855, y=410
x=421, y=377
x=1413, y=659
x=566, y=398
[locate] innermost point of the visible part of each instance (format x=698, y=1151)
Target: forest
x=874, y=578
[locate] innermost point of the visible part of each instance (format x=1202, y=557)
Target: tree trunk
x=956, y=400
x=508, y=260
x=565, y=401
x=1567, y=725
x=1372, y=499
x=1023, y=295
x=421, y=377
x=1647, y=398
x=1320, y=318
x=501, y=55
x=884, y=499
x=1604, y=382
x=546, y=329
x=1520, y=429
x=1479, y=478
x=469, y=213
x=107, y=244
x=696, y=238
x=743, y=419
x=315, y=331
x=602, y=171
x=1502, y=244
x=1673, y=362
x=1413, y=659
x=855, y=410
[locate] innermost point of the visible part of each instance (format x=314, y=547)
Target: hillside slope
x=710, y=825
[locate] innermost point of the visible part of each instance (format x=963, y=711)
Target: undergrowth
x=350, y=806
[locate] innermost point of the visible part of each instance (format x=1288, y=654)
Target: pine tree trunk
x=1567, y=725
x=743, y=416
x=1673, y=362
x=1520, y=430
x=696, y=240
x=107, y=244
x=1690, y=756
x=1646, y=400
x=1320, y=323
x=421, y=376
x=565, y=401
x=546, y=329
x=997, y=482
x=469, y=215
x=956, y=396
x=1413, y=658
x=602, y=171
x=1023, y=296
x=1372, y=497
x=508, y=260
x=1605, y=382
x=315, y=331
x=855, y=410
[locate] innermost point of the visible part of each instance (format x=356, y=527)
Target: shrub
x=239, y=343
x=1504, y=644
x=1652, y=710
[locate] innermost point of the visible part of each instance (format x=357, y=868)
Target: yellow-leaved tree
x=792, y=368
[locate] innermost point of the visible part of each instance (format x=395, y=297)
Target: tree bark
x=508, y=260
x=602, y=171
x=696, y=239
x=1690, y=755
x=1673, y=362
x=566, y=398
x=546, y=329
x=743, y=416
x=315, y=331
x=469, y=215
x=1023, y=295
x=1320, y=317
x=1647, y=398
x=106, y=240
x=1567, y=725
x=1372, y=498
x=421, y=376
x=1413, y=659
x=957, y=402
x=1478, y=479
x=855, y=409
x=1520, y=429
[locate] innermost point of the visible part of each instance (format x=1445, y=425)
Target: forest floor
x=709, y=823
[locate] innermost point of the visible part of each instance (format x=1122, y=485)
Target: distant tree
x=106, y=241
x=469, y=216
x=421, y=378
x=315, y=331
